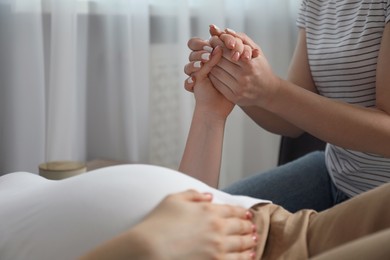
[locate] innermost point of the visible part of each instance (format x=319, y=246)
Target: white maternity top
x=44, y=219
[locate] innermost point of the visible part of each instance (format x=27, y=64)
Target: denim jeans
x=302, y=184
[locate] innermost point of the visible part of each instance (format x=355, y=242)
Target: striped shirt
x=343, y=40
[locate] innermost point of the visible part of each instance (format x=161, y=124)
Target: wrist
x=272, y=96
x=209, y=116
x=140, y=245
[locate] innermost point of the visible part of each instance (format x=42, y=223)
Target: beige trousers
x=356, y=229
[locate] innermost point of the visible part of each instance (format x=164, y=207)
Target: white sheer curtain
x=86, y=79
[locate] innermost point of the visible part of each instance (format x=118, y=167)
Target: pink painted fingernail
x=249, y=215
x=232, y=43
x=254, y=237
x=236, y=56
x=254, y=228
x=246, y=55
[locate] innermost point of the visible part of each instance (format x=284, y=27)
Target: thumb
x=215, y=57
x=195, y=196
x=214, y=30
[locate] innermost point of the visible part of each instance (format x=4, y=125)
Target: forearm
x=203, y=152
x=129, y=245
x=272, y=122
x=346, y=125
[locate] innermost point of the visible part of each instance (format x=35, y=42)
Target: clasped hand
x=242, y=74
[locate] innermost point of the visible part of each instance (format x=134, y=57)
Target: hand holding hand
x=208, y=99
x=245, y=82
x=240, y=44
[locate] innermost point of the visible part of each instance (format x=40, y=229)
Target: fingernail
x=254, y=229
x=197, y=64
x=232, y=43
x=215, y=27
x=208, y=195
x=207, y=48
x=228, y=30
x=246, y=55
x=254, y=237
x=253, y=255
x=236, y=56
x=190, y=80
x=255, y=53
x=249, y=215
x=205, y=56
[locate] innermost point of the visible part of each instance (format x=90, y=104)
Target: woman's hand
x=188, y=226
x=208, y=99
x=185, y=225
x=244, y=82
x=238, y=43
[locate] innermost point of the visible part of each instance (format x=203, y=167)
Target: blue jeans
x=302, y=184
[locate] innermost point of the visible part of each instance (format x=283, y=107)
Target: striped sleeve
x=301, y=20
x=388, y=11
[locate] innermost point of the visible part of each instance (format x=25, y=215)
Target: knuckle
x=218, y=244
x=207, y=207
x=216, y=225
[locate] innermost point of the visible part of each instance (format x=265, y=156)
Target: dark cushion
x=293, y=148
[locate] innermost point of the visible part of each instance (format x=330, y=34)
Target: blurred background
x=103, y=79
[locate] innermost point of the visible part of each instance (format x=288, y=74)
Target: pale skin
x=278, y=105
x=207, y=128
x=222, y=231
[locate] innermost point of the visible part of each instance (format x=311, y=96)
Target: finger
x=226, y=70
x=233, y=43
x=230, y=211
x=216, y=41
x=230, y=41
x=206, y=68
x=192, y=67
x=248, y=254
x=240, y=243
x=203, y=56
x=194, y=70
x=221, y=87
x=246, y=40
x=214, y=30
x=193, y=195
x=239, y=226
x=247, y=53
x=197, y=44
x=189, y=84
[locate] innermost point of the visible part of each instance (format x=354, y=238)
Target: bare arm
x=203, y=152
x=156, y=236
x=129, y=245
x=349, y=126
x=298, y=74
